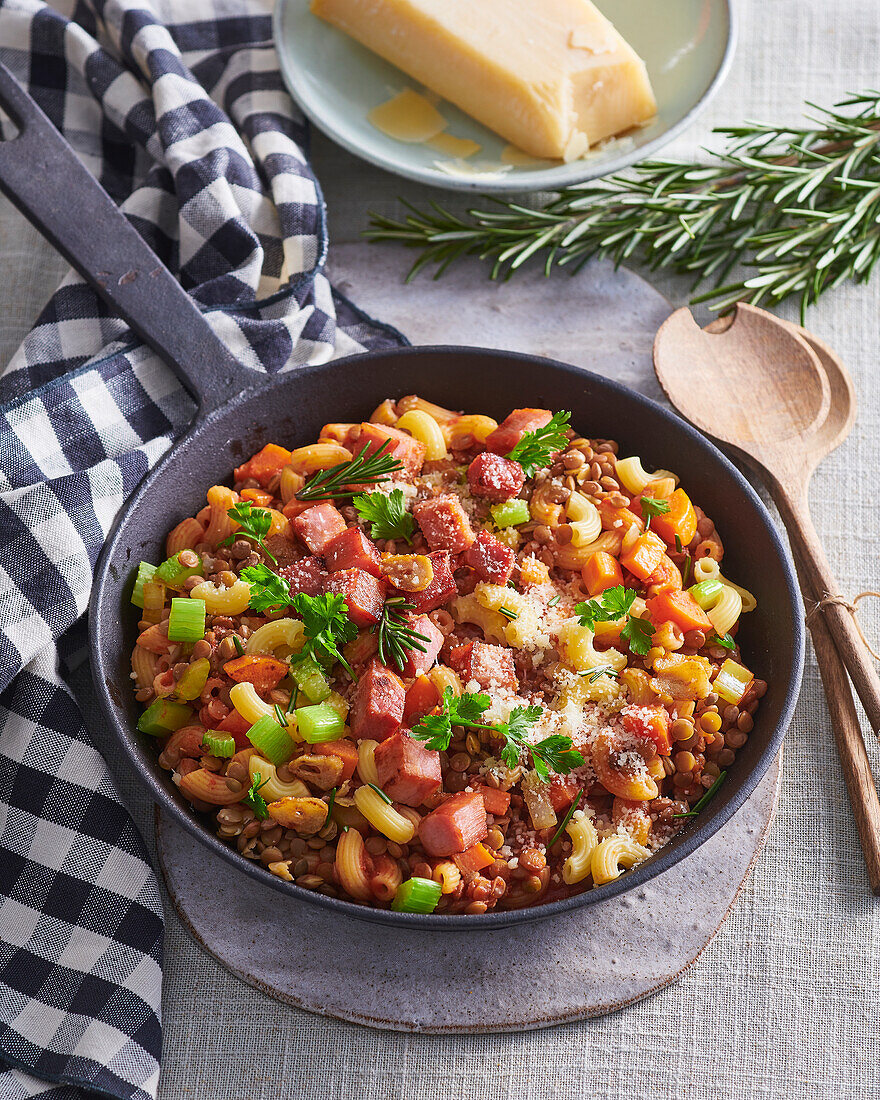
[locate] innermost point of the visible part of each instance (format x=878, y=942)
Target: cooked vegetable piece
x=264, y=465
x=319, y=723
x=601, y=571
x=731, y=681
x=310, y=678
x=271, y=741
x=219, y=744
x=416, y=895
x=510, y=514
x=187, y=620
x=164, y=716
x=145, y=573
x=680, y=608
x=173, y=573
x=680, y=521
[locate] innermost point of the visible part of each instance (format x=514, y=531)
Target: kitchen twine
x=852, y=608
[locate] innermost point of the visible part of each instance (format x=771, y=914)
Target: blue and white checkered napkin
x=178, y=107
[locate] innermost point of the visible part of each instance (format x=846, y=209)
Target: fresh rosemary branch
x=798, y=208
x=338, y=481
x=396, y=637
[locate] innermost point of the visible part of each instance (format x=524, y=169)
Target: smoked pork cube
x=494, y=477
x=307, y=575
x=416, y=661
x=512, y=428
x=317, y=525
x=444, y=523
x=490, y=559
x=379, y=698
x=440, y=590
x=403, y=447
x=408, y=771
x=490, y=665
x=456, y=824
x=351, y=549
x=364, y=594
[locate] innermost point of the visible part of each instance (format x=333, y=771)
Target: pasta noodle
x=280, y=632
x=350, y=870
x=185, y=536
x=382, y=816
x=726, y=610
x=223, y=601
x=423, y=427
x=613, y=853
x=271, y=787
x=583, y=843
x=366, y=766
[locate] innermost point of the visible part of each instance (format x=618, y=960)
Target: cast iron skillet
x=240, y=410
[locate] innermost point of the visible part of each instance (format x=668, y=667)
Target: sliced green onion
x=164, y=717
x=172, y=573
x=187, y=620
x=565, y=820
x=416, y=895
x=554, y=601
x=508, y=614
x=219, y=744
x=271, y=741
x=145, y=573
x=191, y=683
x=706, y=593
x=310, y=679
x=706, y=799
x=319, y=723
x=510, y=514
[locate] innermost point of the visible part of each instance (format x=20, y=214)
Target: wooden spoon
x=759, y=388
x=844, y=717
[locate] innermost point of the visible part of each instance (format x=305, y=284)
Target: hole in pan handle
x=44, y=178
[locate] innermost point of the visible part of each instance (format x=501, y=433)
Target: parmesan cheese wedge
x=551, y=76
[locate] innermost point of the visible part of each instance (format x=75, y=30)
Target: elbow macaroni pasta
x=584, y=840
x=613, y=853
x=382, y=816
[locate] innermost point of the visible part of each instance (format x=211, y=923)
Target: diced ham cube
x=494, y=477
x=351, y=549
x=317, y=525
x=490, y=665
x=306, y=575
x=284, y=550
x=444, y=523
x=403, y=447
x=416, y=661
x=408, y=771
x=496, y=802
x=440, y=590
x=364, y=594
x=511, y=430
x=379, y=699
x=490, y=559
x=456, y=824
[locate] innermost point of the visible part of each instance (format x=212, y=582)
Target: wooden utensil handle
x=820, y=582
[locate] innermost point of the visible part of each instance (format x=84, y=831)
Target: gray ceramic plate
x=687, y=45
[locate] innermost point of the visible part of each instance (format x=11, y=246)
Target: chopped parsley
x=387, y=515
x=653, y=506
x=267, y=588
x=253, y=523
x=327, y=627
x=255, y=800
x=535, y=449
x=614, y=604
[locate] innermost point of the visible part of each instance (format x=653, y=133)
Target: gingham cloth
x=179, y=109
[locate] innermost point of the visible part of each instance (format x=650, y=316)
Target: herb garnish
x=565, y=820
x=255, y=800
x=327, y=628
x=330, y=802
x=653, y=506
x=707, y=797
x=726, y=642
x=508, y=614
x=380, y=793
x=396, y=636
x=554, y=601
x=387, y=514
x=593, y=674
x=239, y=646
x=338, y=480
x=253, y=523
x=612, y=605
x=280, y=716
x=552, y=753
x=268, y=589
x=535, y=449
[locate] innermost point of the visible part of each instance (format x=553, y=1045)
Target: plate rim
x=543, y=179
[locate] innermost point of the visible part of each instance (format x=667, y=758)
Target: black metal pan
x=240, y=410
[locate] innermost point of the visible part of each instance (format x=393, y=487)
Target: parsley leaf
x=255, y=800
x=653, y=506
x=638, y=633
x=386, y=513
x=267, y=588
x=461, y=710
x=612, y=605
x=327, y=628
x=253, y=523
x=534, y=450
x=727, y=641
x=555, y=753
x=514, y=730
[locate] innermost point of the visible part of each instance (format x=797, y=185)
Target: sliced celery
x=510, y=514
x=219, y=744
x=172, y=573
x=416, y=895
x=706, y=593
x=190, y=684
x=187, y=620
x=319, y=723
x=731, y=681
x=164, y=717
x=311, y=679
x=271, y=741
x=145, y=573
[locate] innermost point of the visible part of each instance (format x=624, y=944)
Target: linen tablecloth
x=784, y=1002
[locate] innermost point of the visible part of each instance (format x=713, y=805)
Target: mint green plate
x=687, y=45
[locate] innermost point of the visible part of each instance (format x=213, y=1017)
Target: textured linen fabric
x=181, y=114
x=782, y=1005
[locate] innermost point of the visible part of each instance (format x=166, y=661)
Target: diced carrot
x=474, y=858
x=650, y=722
x=265, y=673
x=644, y=556
x=618, y=519
x=601, y=571
x=257, y=496
x=264, y=465
x=680, y=608
x=665, y=576
x=293, y=507
x=681, y=520
x=495, y=801
x=562, y=793
x=346, y=751
x=421, y=698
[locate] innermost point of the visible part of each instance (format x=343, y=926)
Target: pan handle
x=44, y=178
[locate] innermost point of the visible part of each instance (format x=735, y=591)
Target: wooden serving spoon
x=759, y=388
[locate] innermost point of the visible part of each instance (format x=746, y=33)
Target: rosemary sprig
x=796, y=206
x=396, y=637
x=338, y=480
